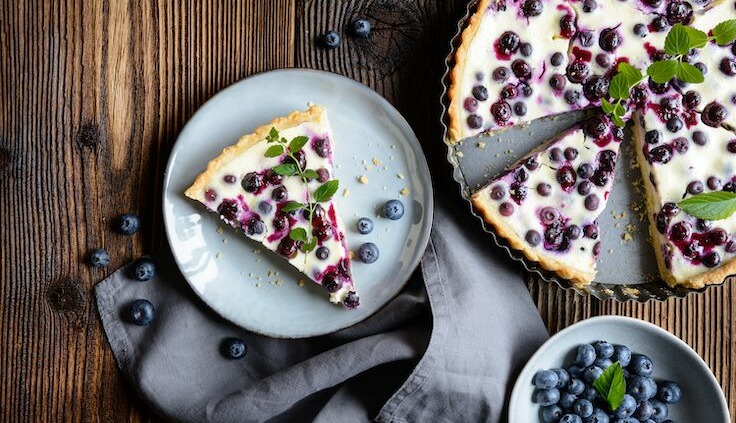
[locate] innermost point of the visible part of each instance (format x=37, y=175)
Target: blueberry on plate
x=585, y=355
x=364, y=225
x=393, y=209
x=567, y=400
x=545, y=379
x=142, y=270
x=643, y=411
x=571, y=418
x=627, y=407
x=622, y=354
x=640, y=387
x=368, y=253
x=361, y=28
x=603, y=349
x=141, y=312
x=331, y=40
x=641, y=365
x=562, y=378
x=660, y=411
x=545, y=397
x=598, y=416
x=576, y=386
x=591, y=373
x=234, y=348
x=603, y=363
x=98, y=258
x=669, y=392
x=127, y=224
x=589, y=394
x=575, y=370
x=583, y=408
x=550, y=414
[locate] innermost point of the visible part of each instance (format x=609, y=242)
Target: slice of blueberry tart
x=680, y=156
x=276, y=186
x=546, y=205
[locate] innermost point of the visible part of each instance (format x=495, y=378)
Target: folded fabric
x=445, y=350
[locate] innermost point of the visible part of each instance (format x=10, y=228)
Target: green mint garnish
x=662, y=71
x=273, y=136
x=725, y=32
x=611, y=385
x=310, y=174
x=714, y=205
x=696, y=37
x=326, y=191
x=286, y=169
x=275, y=150
x=298, y=234
x=688, y=73
x=297, y=143
x=293, y=205
x=677, y=41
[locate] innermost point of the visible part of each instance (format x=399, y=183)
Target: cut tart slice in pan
x=546, y=205
x=680, y=157
x=276, y=186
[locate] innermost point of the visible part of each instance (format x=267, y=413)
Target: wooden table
x=93, y=94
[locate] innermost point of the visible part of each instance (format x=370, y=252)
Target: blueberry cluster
x=368, y=252
x=568, y=395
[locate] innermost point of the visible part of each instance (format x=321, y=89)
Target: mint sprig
x=714, y=205
x=611, y=385
x=322, y=194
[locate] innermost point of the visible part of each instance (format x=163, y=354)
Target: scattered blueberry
x=393, y=209
x=361, y=28
x=365, y=225
x=234, y=348
x=368, y=253
x=141, y=312
x=142, y=270
x=331, y=40
x=322, y=252
x=127, y=224
x=545, y=379
x=98, y=258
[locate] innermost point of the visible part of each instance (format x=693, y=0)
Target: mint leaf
x=298, y=234
x=619, y=88
x=273, y=135
x=677, y=41
x=714, y=205
x=725, y=32
x=697, y=38
x=689, y=73
x=607, y=107
x=274, y=150
x=662, y=71
x=293, y=205
x=618, y=121
x=287, y=169
x=326, y=191
x=632, y=74
x=611, y=385
x=310, y=174
x=297, y=143
x=309, y=246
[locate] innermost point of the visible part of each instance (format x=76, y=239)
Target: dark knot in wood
x=4, y=158
x=88, y=135
x=65, y=296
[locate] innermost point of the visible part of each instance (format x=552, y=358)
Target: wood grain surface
x=92, y=96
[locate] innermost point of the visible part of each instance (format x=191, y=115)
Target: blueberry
x=669, y=392
x=361, y=28
x=640, y=387
x=603, y=363
x=141, y=312
x=641, y=365
x=545, y=397
x=142, y=270
x=643, y=411
x=571, y=418
x=589, y=394
x=659, y=412
x=562, y=377
x=585, y=355
x=368, y=253
x=627, y=407
x=545, y=379
x=583, y=408
x=265, y=207
x=393, y=209
x=575, y=370
x=622, y=354
x=576, y=386
x=98, y=258
x=364, y=225
x=331, y=40
x=603, y=349
x=322, y=253
x=567, y=400
x=128, y=224
x=598, y=416
x=550, y=414
x=591, y=373
x=234, y=348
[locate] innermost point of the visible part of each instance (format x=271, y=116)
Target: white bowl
x=674, y=360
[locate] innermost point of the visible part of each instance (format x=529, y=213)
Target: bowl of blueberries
x=613, y=369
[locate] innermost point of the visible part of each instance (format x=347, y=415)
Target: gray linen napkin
x=443, y=351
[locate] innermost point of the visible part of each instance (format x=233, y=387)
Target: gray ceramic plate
x=626, y=267
x=703, y=400
x=256, y=289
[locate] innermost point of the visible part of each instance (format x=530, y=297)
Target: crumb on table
x=363, y=179
x=404, y=192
